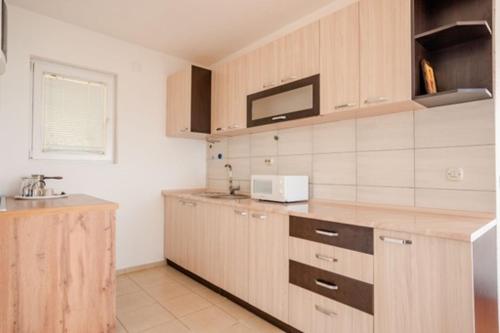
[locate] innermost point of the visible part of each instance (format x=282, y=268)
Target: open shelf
x=455, y=96
x=452, y=34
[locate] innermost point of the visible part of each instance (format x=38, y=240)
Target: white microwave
x=280, y=188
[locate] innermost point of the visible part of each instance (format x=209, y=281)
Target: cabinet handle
x=185, y=129
x=279, y=118
x=395, y=240
x=290, y=78
x=326, y=233
x=343, y=106
x=324, y=311
x=233, y=127
x=219, y=129
x=326, y=285
x=187, y=203
x=268, y=85
x=325, y=258
x=259, y=216
x=240, y=212
x=376, y=100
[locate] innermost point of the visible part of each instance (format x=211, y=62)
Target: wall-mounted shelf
x=455, y=96
x=452, y=34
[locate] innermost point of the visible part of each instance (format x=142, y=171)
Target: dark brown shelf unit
x=452, y=34
x=456, y=37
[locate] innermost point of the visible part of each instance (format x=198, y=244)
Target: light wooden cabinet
x=213, y=243
x=385, y=51
x=268, y=263
x=189, y=102
x=426, y=281
x=340, y=52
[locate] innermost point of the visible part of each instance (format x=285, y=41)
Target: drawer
x=345, y=262
x=313, y=313
x=354, y=293
x=346, y=236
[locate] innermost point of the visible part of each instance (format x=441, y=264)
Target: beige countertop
x=461, y=226
x=73, y=201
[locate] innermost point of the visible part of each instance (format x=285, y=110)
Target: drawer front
x=338, y=234
x=345, y=262
x=313, y=313
x=354, y=293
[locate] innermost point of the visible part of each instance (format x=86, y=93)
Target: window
x=73, y=113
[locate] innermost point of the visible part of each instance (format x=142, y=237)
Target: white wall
x=147, y=162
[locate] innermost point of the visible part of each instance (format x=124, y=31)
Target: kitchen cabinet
x=385, y=51
x=213, y=243
x=424, y=281
x=189, y=97
x=268, y=263
x=340, y=52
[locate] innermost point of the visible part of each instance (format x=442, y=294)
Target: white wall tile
x=393, y=131
x=480, y=201
x=218, y=147
x=334, y=192
x=241, y=168
x=217, y=184
x=295, y=165
x=334, y=137
x=263, y=144
x=478, y=163
x=244, y=186
x=238, y=146
x=386, y=168
x=456, y=125
x=336, y=168
x=259, y=167
x=295, y=141
x=216, y=169
x=386, y=195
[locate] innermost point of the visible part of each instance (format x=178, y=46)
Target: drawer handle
x=279, y=118
x=343, y=106
x=326, y=233
x=324, y=311
x=326, y=285
x=187, y=203
x=259, y=216
x=395, y=240
x=240, y=212
x=325, y=258
x=376, y=100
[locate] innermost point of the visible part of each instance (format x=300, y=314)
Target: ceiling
x=202, y=31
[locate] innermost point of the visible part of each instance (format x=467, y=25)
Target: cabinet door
x=340, y=60
x=385, y=51
x=173, y=216
x=179, y=102
x=268, y=258
x=269, y=65
x=254, y=73
x=212, y=248
x=220, y=98
x=299, y=54
x=237, y=91
x=235, y=230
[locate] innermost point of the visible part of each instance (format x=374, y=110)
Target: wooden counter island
x=57, y=265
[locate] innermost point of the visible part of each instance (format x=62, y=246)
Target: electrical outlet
x=455, y=174
x=269, y=161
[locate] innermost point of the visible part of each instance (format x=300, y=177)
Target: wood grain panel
x=179, y=102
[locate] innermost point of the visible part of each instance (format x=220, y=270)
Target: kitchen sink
x=223, y=196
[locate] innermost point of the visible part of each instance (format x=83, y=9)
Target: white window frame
x=40, y=67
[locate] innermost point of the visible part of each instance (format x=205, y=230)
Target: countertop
x=73, y=201
x=461, y=226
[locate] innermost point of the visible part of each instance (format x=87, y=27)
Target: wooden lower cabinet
x=268, y=257
x=313, y=313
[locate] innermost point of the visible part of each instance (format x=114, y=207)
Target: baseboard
x=267, y=317
x=140, y=267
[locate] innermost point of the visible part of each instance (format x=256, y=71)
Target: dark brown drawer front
x=337, y=234
x=342, y=289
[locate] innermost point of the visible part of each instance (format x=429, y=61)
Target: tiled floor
x=162, y=300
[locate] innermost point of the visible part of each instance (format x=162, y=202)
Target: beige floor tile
x=166, y=290
x=170, y=327
x=209, y=294
x=133, y=301
x=235, y=310
x=208, y=320
x=120, y=328
x=124, y=285
x=151, y=276
x=185, y=304
x=144, y=318
x=240, y=328
x=260, y=325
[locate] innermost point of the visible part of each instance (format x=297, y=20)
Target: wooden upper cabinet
x=189, y=102
x=220, y=98
x=385, y=51
x=269, y=65
x=298, y=54
x=340, y=60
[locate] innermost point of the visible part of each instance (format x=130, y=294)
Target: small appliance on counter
x=280, y=188
x=35, y=187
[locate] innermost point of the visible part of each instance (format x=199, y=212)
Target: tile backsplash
x=396, y=159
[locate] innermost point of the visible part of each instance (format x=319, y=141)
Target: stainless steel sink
x=223, y=196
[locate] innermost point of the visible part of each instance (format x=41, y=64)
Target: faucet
x=232, y=189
